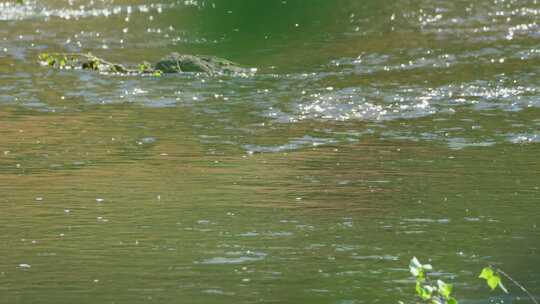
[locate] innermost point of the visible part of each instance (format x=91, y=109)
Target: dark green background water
x=374, y=131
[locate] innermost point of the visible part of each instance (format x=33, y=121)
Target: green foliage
x=430, y=292
x=441, y=292
x=452, y=301
x=492, y=279
x=62, y=62
x=144, y=67
x=46, y=59
x=59, y=61
x=424, y=292
x=91, y=62
x=444, y=289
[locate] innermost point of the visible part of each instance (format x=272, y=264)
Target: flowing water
x=373, y=131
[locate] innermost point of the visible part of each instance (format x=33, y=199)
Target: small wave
x=250, y=257
x=293, y=144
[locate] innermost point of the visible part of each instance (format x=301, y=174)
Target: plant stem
x=531, y=296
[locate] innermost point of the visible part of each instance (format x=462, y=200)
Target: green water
x=374, y=131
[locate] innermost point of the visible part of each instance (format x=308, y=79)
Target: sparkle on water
x=373, y=131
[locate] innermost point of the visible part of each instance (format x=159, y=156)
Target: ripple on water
x=375, y=257
x=293, y=144
x=39, y=10
x=220, y=292
x=491, y=70
x=524, y=138
x=246, y=258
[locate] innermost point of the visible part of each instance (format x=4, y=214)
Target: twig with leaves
x=435, y=293
x=493, y=279
x=440, y=292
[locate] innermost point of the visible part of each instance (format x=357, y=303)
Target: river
x=372, y=132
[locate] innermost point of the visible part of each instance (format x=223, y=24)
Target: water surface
x=373, y=131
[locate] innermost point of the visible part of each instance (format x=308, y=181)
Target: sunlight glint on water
x=373, y=131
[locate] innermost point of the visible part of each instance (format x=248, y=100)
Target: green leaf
x=422, y=292
x=419, y=289
x=436, y=300
x=486, y=273
x=494, y=281
x=415, y=267
x=444, y=289
x=452, y=301
x=142, y=67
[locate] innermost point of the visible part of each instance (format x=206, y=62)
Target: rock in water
x=173, y=63
x=180, y=63
x=81, y=61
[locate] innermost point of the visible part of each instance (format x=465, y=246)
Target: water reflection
x=375, y=130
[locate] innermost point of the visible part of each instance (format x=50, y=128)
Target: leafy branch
x=493, y=280
x=437, y=292
x=91, y=62
x=440, y=292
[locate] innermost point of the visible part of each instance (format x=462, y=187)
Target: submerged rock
x=81, y=61
x=173, y=63
x=181, y=63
